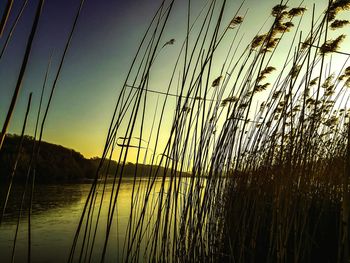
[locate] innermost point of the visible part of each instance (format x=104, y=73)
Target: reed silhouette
x=241, y=180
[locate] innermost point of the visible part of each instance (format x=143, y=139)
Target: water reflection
x=56, y=213
x=46, y=198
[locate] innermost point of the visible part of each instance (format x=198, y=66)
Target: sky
x=106, y=39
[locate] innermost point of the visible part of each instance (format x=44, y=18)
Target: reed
x=21, y=72
x=237, y=179
x=5, y=16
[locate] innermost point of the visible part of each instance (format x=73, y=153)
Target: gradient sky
x=106, y=39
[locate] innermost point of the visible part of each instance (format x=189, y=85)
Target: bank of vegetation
x=56, y=164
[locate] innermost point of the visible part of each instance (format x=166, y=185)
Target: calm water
x=56, y=213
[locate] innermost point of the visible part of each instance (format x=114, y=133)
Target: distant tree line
x=56, y=163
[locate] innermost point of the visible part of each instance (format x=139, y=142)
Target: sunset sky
x=106, y=39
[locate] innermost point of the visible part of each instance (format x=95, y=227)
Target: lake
x=56, y=213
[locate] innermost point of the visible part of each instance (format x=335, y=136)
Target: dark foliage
x=55, y=163
x=59, y=164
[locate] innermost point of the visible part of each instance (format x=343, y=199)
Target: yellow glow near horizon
x=84, y=101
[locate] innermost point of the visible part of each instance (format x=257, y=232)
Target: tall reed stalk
x=253, y=164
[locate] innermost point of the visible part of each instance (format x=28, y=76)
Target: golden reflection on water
x=56, y=213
